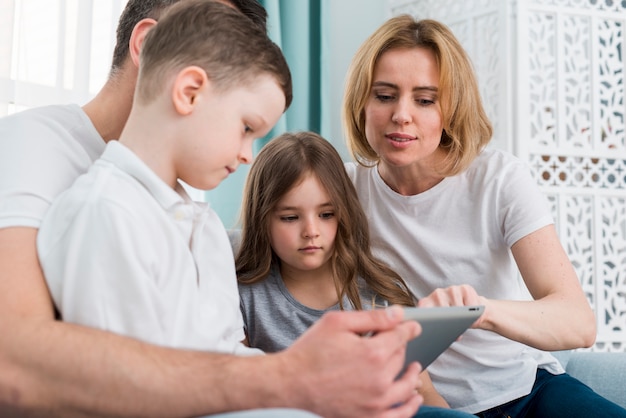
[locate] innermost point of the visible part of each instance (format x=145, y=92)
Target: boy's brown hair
x=137, y=10
x=215, y=37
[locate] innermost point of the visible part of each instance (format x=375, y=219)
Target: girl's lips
x=310, y=249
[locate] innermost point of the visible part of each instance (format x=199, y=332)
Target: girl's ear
x=186, y=89
x=137, y=37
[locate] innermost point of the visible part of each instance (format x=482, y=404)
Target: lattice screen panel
x=552, y=77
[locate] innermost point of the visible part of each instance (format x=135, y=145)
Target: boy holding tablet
x=125, y=249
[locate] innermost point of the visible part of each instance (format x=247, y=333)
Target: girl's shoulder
x=369, y=298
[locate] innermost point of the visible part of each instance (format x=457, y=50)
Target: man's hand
x=344, y=374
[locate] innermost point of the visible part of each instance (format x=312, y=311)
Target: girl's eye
x=327, y=215
x=288, y=218
x=247, y=129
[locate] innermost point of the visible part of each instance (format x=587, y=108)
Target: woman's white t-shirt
x=460, y=232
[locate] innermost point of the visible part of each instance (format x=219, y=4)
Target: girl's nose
x=310, y=230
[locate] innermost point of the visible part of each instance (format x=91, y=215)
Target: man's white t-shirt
x=42, y=152
x=460, y=232
x=123, y=251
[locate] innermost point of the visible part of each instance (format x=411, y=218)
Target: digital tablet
x=440, y=328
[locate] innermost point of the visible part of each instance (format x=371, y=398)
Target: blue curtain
x=296, y=26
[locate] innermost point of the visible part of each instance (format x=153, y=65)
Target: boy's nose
x=245, y=153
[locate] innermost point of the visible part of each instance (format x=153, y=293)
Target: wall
x=349, y=23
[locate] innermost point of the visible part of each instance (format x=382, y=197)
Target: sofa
x=603, y=372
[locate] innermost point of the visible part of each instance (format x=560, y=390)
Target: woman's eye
x=384, y=97
x=425, y=102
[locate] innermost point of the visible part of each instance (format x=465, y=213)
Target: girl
x=305, y=247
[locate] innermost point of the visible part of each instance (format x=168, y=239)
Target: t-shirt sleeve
x=40, y=157
x=523, y=208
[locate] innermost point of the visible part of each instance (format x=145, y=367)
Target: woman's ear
x=186, y=89
x=137, y=37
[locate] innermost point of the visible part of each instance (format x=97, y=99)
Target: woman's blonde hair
x=282, y=164
x=466, y=126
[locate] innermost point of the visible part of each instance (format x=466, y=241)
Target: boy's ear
x=137, y=37
x=188, y=84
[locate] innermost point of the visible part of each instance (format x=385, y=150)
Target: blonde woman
x=464, y=225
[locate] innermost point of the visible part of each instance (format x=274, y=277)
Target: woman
x=464, y=225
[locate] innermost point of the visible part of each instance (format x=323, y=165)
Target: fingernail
x=394, y=312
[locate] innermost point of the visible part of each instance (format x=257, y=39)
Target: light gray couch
x=603, y=372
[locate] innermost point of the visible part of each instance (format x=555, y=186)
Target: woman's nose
x=401, y=114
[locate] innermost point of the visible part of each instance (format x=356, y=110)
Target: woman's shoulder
x=359, y=173
x=496, y=162
x=351, y=168
x=497, y=156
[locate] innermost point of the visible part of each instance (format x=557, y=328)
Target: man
x=53, y=368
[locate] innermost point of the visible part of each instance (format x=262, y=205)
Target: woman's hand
x=458, y=295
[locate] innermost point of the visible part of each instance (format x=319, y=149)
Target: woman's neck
x=410, y=180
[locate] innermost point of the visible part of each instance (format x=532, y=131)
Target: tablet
x=440, y=328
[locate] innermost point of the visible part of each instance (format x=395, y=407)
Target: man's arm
x=51, y=368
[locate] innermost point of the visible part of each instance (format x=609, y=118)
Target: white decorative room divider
x=552, y=76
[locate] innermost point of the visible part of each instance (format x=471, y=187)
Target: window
x=54, y=51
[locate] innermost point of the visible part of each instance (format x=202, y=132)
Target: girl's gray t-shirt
x=274, y=319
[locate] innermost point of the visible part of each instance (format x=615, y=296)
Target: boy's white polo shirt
x=123, y=251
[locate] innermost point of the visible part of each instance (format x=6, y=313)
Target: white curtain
x=54, y=51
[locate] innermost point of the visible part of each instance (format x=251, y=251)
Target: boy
x=125, y=249
x=57, y=368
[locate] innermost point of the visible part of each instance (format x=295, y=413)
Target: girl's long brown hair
x=281, y=165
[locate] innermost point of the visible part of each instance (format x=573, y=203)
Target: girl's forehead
x=308, y=186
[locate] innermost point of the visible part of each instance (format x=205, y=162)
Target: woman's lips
x=400, y=140
x=400, y=137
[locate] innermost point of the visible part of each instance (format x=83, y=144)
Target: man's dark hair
x=136, y=10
